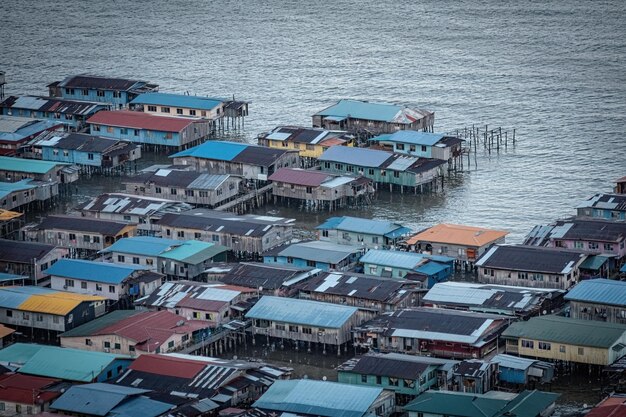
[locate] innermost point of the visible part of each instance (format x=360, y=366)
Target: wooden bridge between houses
x=254, y=198
x=490, y=139
x=222, y=339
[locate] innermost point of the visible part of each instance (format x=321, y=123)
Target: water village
x=138, y=302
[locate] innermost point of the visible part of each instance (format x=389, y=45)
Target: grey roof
x=261, y=156
x=354, y=285
x=305, y=312
x=356, y=156
x=200, y=297
x=82, y=142
x=599, y=291
x=513, y=362
x=489, y=297
x=316, y=251
x=589, y=229
x=175, y=178
x=22, y=252
x=82, y=224
x=131, y=204
x=53, y=104
x=606, y=201
x=530, y=258
x=270, y=277
x=436, y=324
x=100, y=83
x=381, y=365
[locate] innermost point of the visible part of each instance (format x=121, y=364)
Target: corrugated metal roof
x=566, y=330
x=458, y=234
x=18, y=128
x=513, y=362
x=99, y=82
x=594, y=262
x=361, y=225
x=7, y=188
x=338, y=181
x=402, y=163
x=141, y=406
x=143, y=245
x=356, y=156
x=219, y=150
x=94, y=326
x=178, y=100
x=319, y=251
x=92, y=271
x=397, y=259
x=139, y=120
x=320, y=398
x=28, y=165
x=361, y=110
x=412, y=137
x=94, y=399
x=42, y=300
x=305, y=312
x=601, y=291
x=56, y=362
x=297, y=176
x=167, y=365
x=208, y=181
x=194, y=252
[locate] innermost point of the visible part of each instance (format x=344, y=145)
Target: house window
x=173, y=191
x=120, y=258
x=69, y=282
x=66, y=153
x=309, y=190
x=379, y=380
x=562, y=349
x=528, y=344
x=593, y=245
x=157, y=190
x=179, y=111
x=325, y=233
x=95, y=239
x=55, y=152
x=136, y=132
x=181, y=233
x=608, y=246
x=374, y=239
x=197, y=235
x=165, y=109
x=203, y=194
x=72, y=236
x=85, y=92
x=581, y=351
x=69, y=91
x=170, y=344
x=364, y=379
x=412, y=148
x=95, y=128
x=9, y=313
x=135, y=260
x=310, y=263
x=39, y=317
x=280, y=327
x=107, y=344
x=117, y=94
x=151, y=108
x=100, y=93
x=25, y=316
x=124, y=131
x=87, y=342
x=293, y=328
x=383, y=173
x=400, y=146
x=98, y=287
x=579, y=245
x=149, y=261
x=117, y=346
x=370, y=171
x=544, y=346
x=131, y=348
x=215, y=238
x=192, y=112
x=522, y=275
x=168, y=135
x=289, y=260
x=396, y=174
x=83, y=285
x=339, y=167
x=189, y=193
x=112, y=289
x=307, y=330
x=423, y=148
x=86, y=238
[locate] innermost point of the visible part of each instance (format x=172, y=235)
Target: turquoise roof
x=398, y=259
x=27, y=165
x=623, y=269
x=220, y=150
x=362, y=110
x=56, y=362
x=26, y=129
x=92, y=271
x=599, y=291
x=431, y=268
x=178, y=100
x=594, y=262
x=7, y=188
x=305, y=312
x=188, y=251
x=411, y=137
x=12, y=277
x=319, y=398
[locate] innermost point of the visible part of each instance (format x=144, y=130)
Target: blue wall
x=152, y=137
x=124, y=363
x=40, y=115
x=300, y=263
x=74, y=156
x=606, y=214
x=514, y=376
x=417, y=152
x=92, y=95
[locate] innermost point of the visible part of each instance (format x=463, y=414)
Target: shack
x=369, y=233
x=316, y=254
x=17, y=132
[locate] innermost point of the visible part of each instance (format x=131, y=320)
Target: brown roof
x=139, y=120
x=458, y=234
x=620, y=180
x=5, y=331
x=300, y=177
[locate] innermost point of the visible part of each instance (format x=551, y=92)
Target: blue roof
x=623, y=269
x=397, y=259
x=18, y=128
x=27, y=165
x=602, y=291
x=57, y=362
x=306, y=312
x=12, y=277
x=431, y=268
x=7, y=188
x=411, y=137
x=13, y=297
x=365, y=226
x=213, y=149
x=594, y=262
x=355, y=156
x=143, y=245
x=103, y=399
x=362, y=110
x=92, y=271
x=178, y=100
x=320, y=398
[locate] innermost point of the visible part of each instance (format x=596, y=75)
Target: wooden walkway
x=240, y=201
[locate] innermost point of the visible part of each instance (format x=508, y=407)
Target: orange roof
x=458, y=234
x=5, y=331
x=8, y=215
x=333, y=142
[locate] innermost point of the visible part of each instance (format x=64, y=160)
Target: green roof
x=94, y=326
x=57, y=362
x=569, y=331
x=594, y=262
x=27, y=165
x=525, y=404
x=194, y=252
x=456, y=404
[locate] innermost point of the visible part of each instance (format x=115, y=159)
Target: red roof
x=201, y=304
x=26, y=389
x=608, y=411
x=151, y=329
x=300, y=177
x=169, y=366
x=620, y=180
x=139, y=120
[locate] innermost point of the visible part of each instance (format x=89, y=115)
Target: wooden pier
x=253, y=199
x=493, y=139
